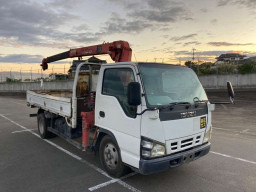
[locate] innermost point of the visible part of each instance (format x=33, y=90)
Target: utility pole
x=193, y=58
x=193, y=50
x=65, y=73
x=31, y=74
x=20, y=75
x=135, y=57
x=1, y=74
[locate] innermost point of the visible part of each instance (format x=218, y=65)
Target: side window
x=115, y=84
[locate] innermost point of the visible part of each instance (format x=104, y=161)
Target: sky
x=157, y=30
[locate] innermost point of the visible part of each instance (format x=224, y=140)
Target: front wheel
x=110, y=157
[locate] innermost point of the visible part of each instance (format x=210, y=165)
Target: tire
x=110, y=157
x=42, y=128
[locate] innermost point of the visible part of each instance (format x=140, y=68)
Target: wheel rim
x=111, y=156
x=41, y=126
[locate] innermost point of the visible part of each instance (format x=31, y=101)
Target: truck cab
x=158, y=115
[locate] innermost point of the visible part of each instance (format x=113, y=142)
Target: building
x=229, y=58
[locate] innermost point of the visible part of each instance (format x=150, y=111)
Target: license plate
x=202, y=122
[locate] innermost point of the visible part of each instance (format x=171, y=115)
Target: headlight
x=158, y=150
x=151, y=148
x=207, y=135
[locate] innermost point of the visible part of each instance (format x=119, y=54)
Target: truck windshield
x=165, y=84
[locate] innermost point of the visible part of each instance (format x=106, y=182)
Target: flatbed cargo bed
x=57, y=102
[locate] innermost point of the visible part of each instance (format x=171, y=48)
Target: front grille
x=185, y=143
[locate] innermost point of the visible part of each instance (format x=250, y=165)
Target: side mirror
x=134, y=94
x=231, y=93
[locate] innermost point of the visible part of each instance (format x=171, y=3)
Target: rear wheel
x=110, y=157
x=42, y=128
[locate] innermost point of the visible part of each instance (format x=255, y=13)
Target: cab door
x=112, y=111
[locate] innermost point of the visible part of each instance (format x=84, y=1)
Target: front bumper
x=175, y=160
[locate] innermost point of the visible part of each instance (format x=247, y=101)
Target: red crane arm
x=119, y=51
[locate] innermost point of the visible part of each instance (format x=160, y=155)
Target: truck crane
x=148, y=117
x=119, y=51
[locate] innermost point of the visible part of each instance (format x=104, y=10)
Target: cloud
x=250, y=4
x=116, y=24
x=212, y=53
x=158, y=14
x=169, y=15
x=162, y=11
x=191, y=43
x=32, y=23
x=219, y=44
x=125, y=3
x=64, y=4
x=39, y=23
x=185, y=55
x=204, y=10
x=214, y=21
x=196, y=58
x=184, y=37
x=223, y=2
x=21, y=58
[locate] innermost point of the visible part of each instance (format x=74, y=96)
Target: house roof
x=230, y=55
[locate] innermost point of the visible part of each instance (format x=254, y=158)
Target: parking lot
x=28, y=163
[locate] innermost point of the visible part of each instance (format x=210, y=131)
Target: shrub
x=206, y=69
x=224, y=69
x=11, y=80
x=248, y=67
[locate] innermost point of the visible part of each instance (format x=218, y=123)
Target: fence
x=220, y=81
x=208, y=82
x=30, y=75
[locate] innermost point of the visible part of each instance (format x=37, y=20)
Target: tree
x=189, y=64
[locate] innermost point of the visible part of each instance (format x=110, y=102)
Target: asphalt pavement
x=28, y=163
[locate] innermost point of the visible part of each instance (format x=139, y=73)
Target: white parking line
x=23, y=131
x=126, y=185
x=237, y=158
x=110, y=182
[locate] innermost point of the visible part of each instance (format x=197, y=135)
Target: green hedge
x=248, y=67
x=223, y=69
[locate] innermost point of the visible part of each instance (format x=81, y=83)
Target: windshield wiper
x=171, y=105
x=197, y=101
x=179, y=103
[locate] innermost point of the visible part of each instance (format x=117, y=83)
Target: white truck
x=146, y=116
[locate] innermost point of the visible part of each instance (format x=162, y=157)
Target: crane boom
x=119, y=51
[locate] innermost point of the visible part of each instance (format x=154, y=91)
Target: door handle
x=102, y=114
